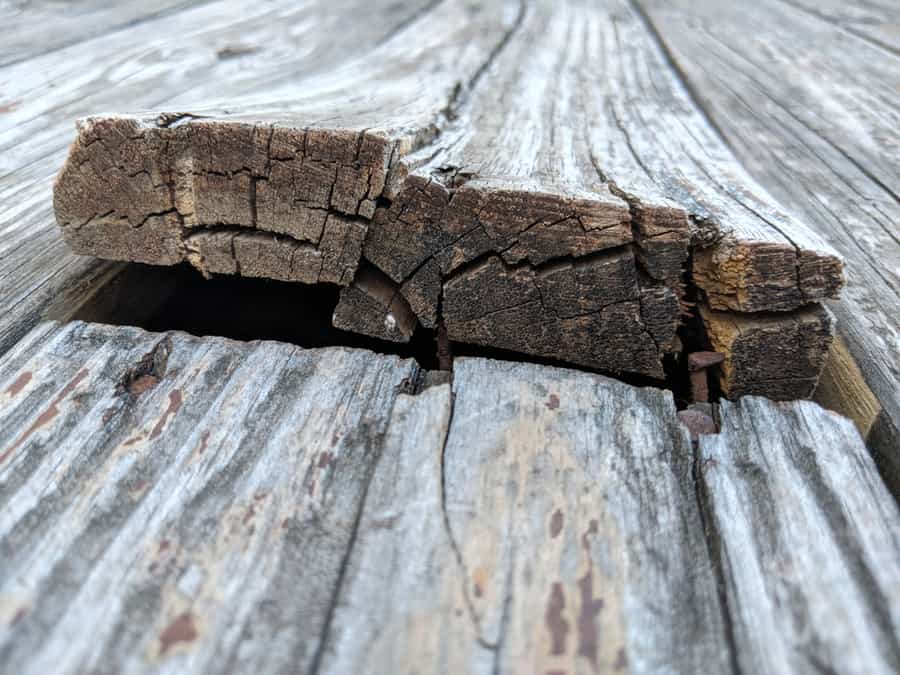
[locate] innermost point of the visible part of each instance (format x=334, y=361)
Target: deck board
x=182, y=504
x=812, y=112
x=470, y=161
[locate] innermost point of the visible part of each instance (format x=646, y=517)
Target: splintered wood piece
x=373, y=306
x=776, y=355
x=500, y=185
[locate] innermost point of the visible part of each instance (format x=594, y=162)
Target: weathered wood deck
x=176, y=504
x=171, y=503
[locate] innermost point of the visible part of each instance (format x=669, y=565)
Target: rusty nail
x=698, y=362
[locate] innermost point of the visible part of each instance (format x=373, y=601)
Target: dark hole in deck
x=179, y=298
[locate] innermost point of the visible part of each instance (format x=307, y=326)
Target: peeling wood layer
x=476, y=159
x=179, y=504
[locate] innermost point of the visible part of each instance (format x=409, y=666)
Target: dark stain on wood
x=182, y=629
x=552, y=402
x=384, y=523
x=204, y=443
x=593, y=528
x=9, y=107
x=556, y=523
x=133, y=440
x=48, y=415
x=249, y=514
x=20, y=383
x=142, y=383
x=587, y=619
x=235, y=51
x=138, y=487
x=556, y=622
x=621, y=660
x=174, y=404
x=148, y=372
x=325, y=459
x=164, y=546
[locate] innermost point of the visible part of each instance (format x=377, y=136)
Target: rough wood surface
x=419, y=141
x=810, y=106
x=798, y=548
x=36, y=27
x=177, y=504
x=223, y=48
x=554, y=528
x=213, y=484
x=770, y=354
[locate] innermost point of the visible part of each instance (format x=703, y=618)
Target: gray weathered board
x=807, y=93
x=179, y=504
x=531, y=173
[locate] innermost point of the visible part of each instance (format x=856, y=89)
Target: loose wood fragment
x=374, y=306
x=776, y=355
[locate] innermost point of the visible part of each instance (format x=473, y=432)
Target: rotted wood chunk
x=777, y=355
x=591, y=312
x=372, y=305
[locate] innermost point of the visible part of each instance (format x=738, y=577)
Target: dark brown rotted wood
x=775, y=355
x=166, y=54
x=374, y=306
x=502, y=187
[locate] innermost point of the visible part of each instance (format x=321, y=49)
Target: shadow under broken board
x=179, y=504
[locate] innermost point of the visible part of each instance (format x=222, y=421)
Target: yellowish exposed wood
x=842, y=388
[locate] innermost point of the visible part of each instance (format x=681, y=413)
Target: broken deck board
x=216, y=48
x=810, y=108
x=179, y=504
x=426, y=161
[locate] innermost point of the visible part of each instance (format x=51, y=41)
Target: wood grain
x=214, y=484
x=811, y=109
x=799, y=547
x=428, y=159
x=178, y=504
x=35, y=27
